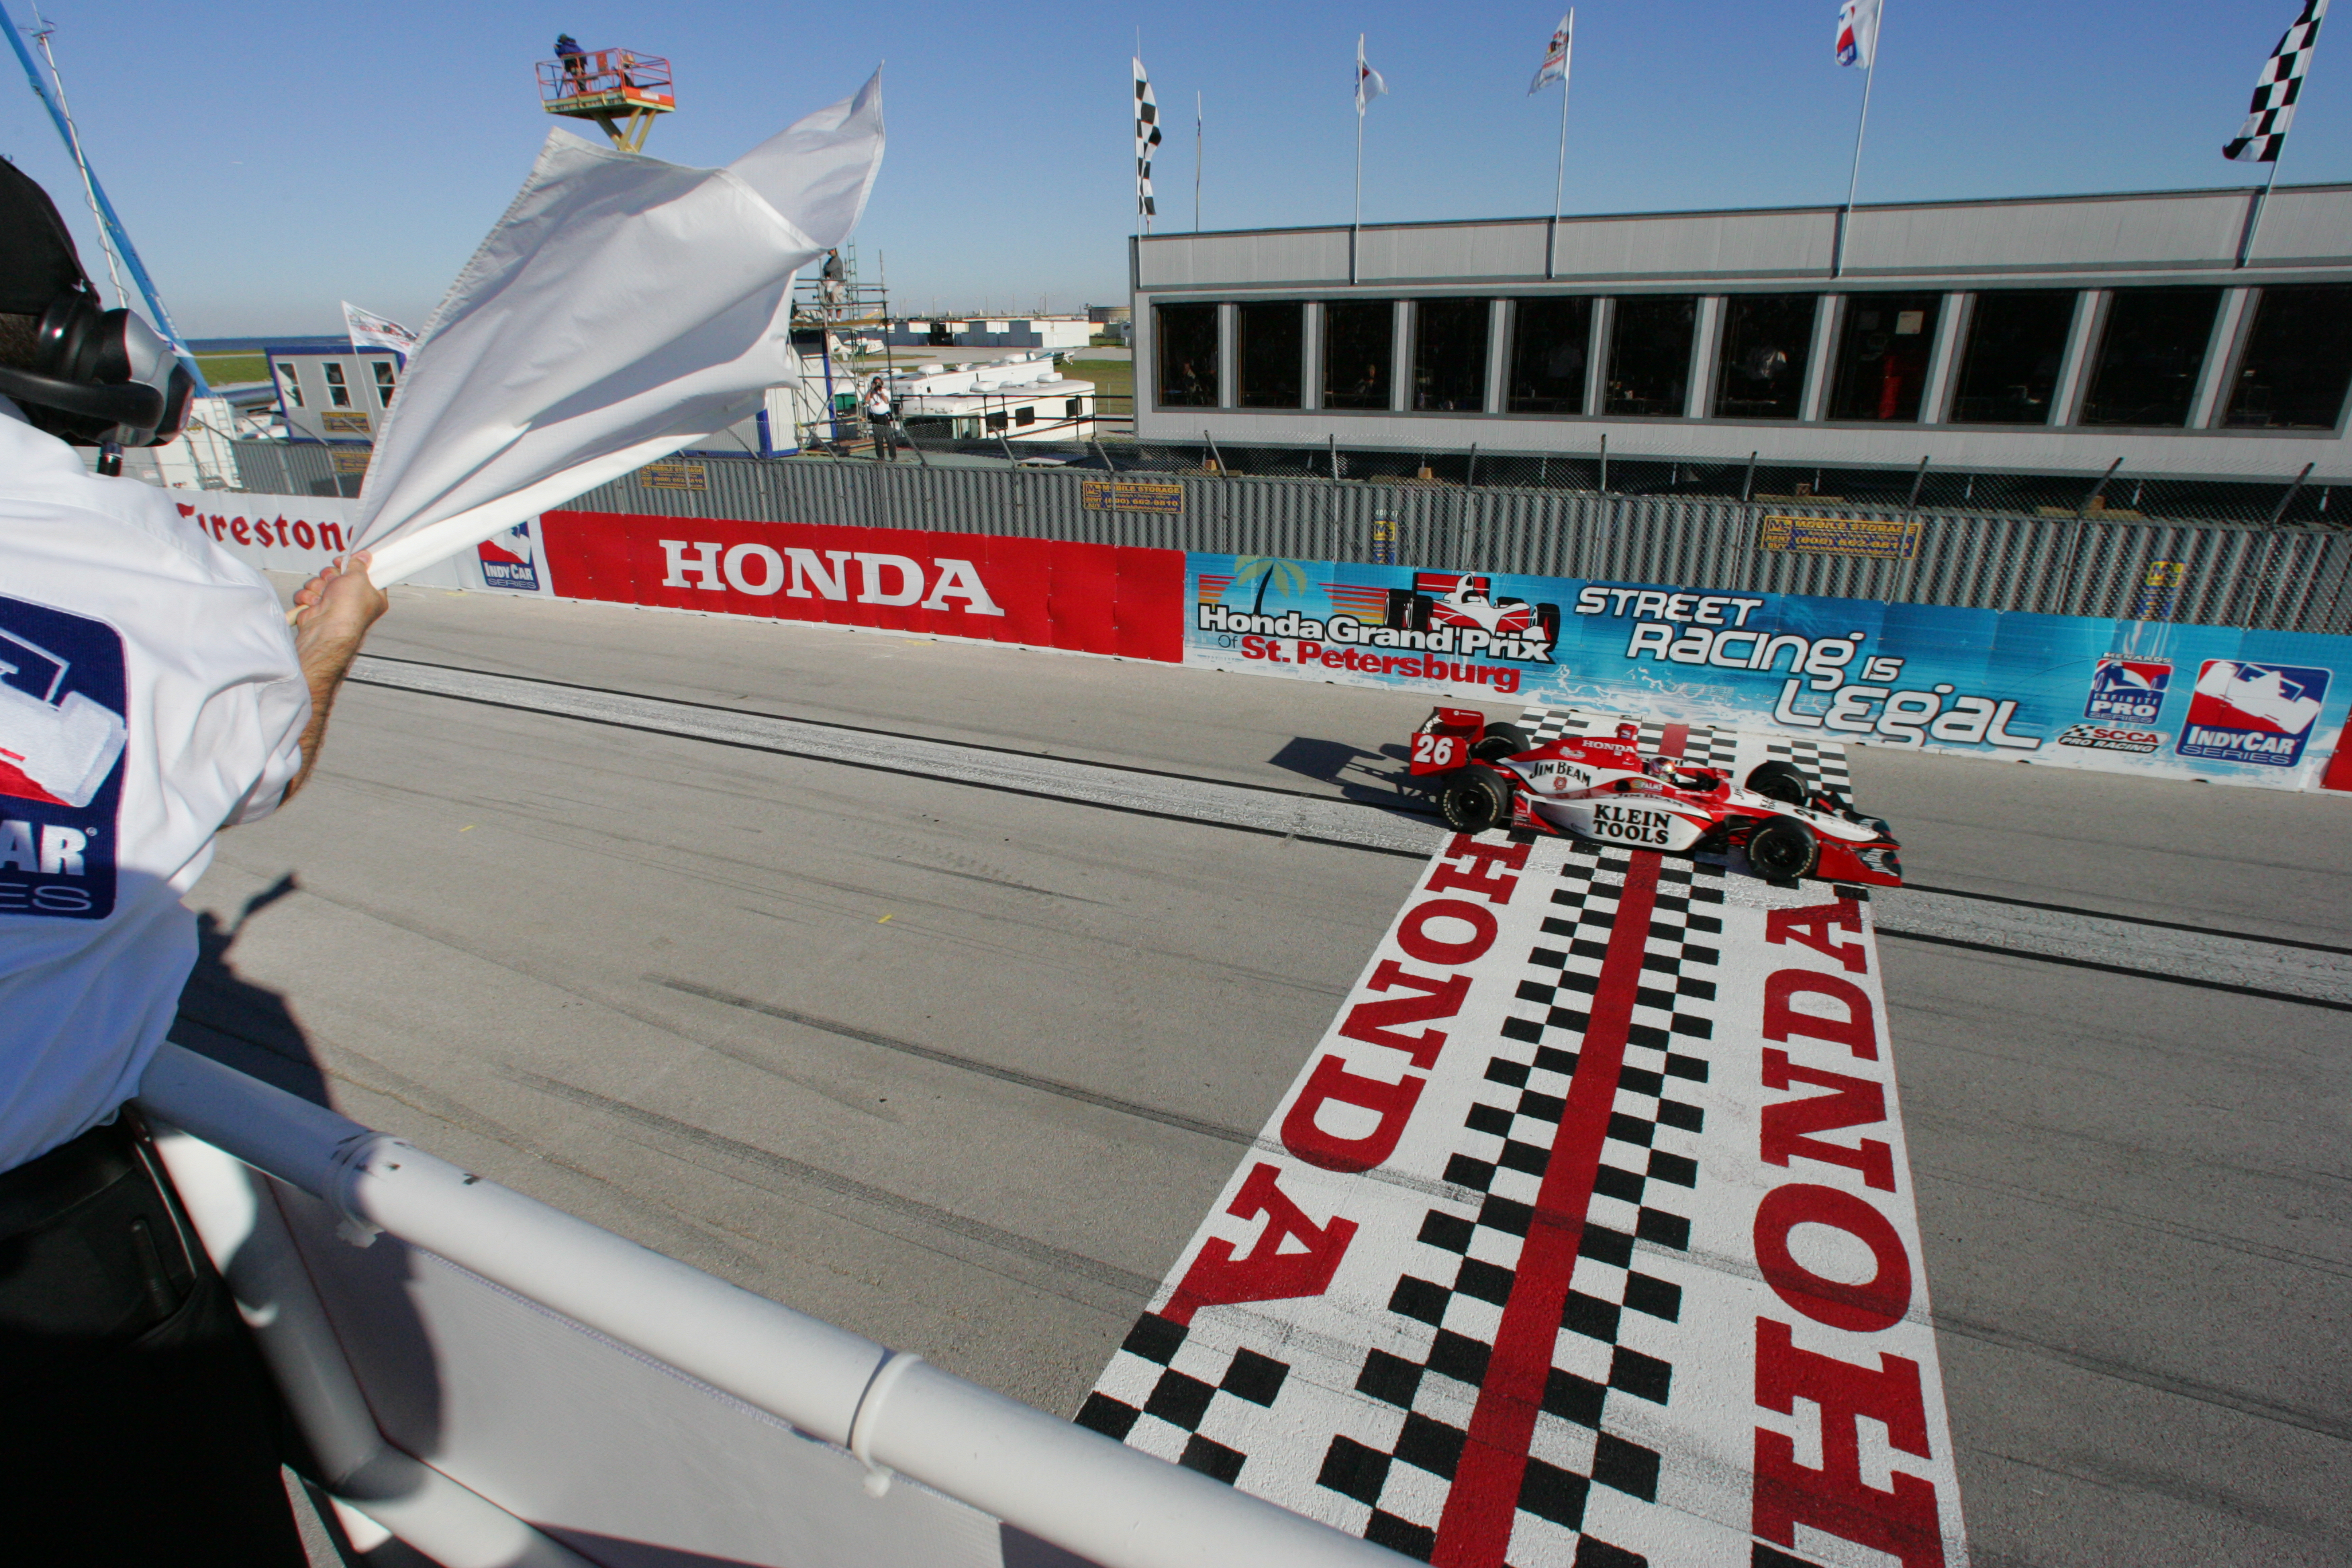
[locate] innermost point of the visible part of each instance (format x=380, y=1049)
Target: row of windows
x=339, y=391
x=1072, y=408
x=2291, y=372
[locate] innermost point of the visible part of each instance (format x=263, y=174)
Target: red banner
x=1043, y=593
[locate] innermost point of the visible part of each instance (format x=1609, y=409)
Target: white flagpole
x=1853, y=180
x=1356, y=227
x=1560, y=182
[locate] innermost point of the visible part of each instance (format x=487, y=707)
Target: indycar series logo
x=61, y=739
x=2246, y=712
x=2109, y=738
x=508, y=560
x=2127, y=690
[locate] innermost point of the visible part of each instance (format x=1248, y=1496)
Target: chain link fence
x=2038, y=544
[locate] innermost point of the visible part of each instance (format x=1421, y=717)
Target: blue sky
x=272, y=158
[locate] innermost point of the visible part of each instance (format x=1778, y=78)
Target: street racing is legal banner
x=2210, y=703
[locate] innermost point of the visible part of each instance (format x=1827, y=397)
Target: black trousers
x=137, y=1425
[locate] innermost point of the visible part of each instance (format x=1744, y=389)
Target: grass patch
x=223, y=369
x=1114, y=379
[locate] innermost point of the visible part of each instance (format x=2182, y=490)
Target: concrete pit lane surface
x=946, y=991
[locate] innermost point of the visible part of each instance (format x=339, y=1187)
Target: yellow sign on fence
x=675, y=477
x=1873, y=538
x=1129, y=495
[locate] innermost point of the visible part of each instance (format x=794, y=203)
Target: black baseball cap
x=37, y=260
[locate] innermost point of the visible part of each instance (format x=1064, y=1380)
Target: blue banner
x=2150, y=697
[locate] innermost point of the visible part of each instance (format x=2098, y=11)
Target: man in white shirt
x=151, y=694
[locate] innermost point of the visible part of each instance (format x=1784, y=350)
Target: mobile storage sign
x=2214, y=702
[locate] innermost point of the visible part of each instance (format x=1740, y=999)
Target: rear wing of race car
x=1443, y=742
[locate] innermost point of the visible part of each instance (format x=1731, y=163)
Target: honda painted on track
x=1603, y=788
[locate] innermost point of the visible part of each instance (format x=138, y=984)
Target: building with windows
x=334, y=394
x=2191, y=334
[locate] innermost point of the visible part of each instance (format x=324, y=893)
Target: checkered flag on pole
x=2260, y=138
x=1146, y=137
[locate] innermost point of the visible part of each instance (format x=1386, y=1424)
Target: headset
x=101, y=376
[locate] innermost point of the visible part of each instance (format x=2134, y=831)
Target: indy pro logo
x=508, y=561
x=61, y=739
x=1630, y=825
x=2107, y=738
x=2127, y=690
x=2256, y=713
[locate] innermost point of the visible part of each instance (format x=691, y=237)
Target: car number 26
x=1437, y=751
x=1630, y=826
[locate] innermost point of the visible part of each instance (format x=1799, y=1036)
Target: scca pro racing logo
x=2112, y=738
x=61, y=739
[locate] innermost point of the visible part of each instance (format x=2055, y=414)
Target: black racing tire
x=1423, y=603
x=1474, y=800
x=1397, y=614
x=1497, y=741
x=1783, y=781
x=1781, y=849
x=1548, y=618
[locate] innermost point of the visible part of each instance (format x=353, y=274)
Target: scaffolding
x=622, y=90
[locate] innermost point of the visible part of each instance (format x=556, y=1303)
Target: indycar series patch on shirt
x=148, y=696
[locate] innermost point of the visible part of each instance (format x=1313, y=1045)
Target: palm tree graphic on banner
x=1268, y=570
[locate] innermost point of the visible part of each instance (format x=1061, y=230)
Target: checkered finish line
x=1587, y=1238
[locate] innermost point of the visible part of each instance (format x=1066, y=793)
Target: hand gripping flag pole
x=2263, y=137
x=622, y=308
x=1555, y=69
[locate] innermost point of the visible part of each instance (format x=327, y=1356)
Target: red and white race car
x=1466, y=599
x=1603, y=788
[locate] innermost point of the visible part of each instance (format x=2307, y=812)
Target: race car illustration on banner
x=1603, y=788
x=1456, y=599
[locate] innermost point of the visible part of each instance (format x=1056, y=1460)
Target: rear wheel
x=1474, y=801
x=1784, y=782
x=1782, y=850
x=1499, y=741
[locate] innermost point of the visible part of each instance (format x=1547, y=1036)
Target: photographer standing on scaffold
x=151, y=694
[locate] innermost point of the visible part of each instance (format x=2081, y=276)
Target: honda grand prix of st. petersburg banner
x=2212, y=702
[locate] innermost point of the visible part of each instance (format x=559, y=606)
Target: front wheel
x=1474, y=801
x=1783, y=849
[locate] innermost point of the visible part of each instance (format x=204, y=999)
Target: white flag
x=1555, y=61
x=1368, y=82
x=1857, y=33
x=370, y=330
x=622, y=308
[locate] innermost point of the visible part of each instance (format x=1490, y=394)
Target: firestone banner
x=2210, y=703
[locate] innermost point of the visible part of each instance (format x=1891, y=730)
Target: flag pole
x=1560, y=180
x=1853, y=180
x=1196, y=161
x=1355, y=227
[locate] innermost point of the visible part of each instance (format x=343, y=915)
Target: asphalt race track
x=939, y=990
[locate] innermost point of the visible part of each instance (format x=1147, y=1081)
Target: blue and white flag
x=370, y=330
x=1857, y=32
x=2258, y=141
x=1555, y=61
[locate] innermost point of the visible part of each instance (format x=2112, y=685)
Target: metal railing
x=888, y=1410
